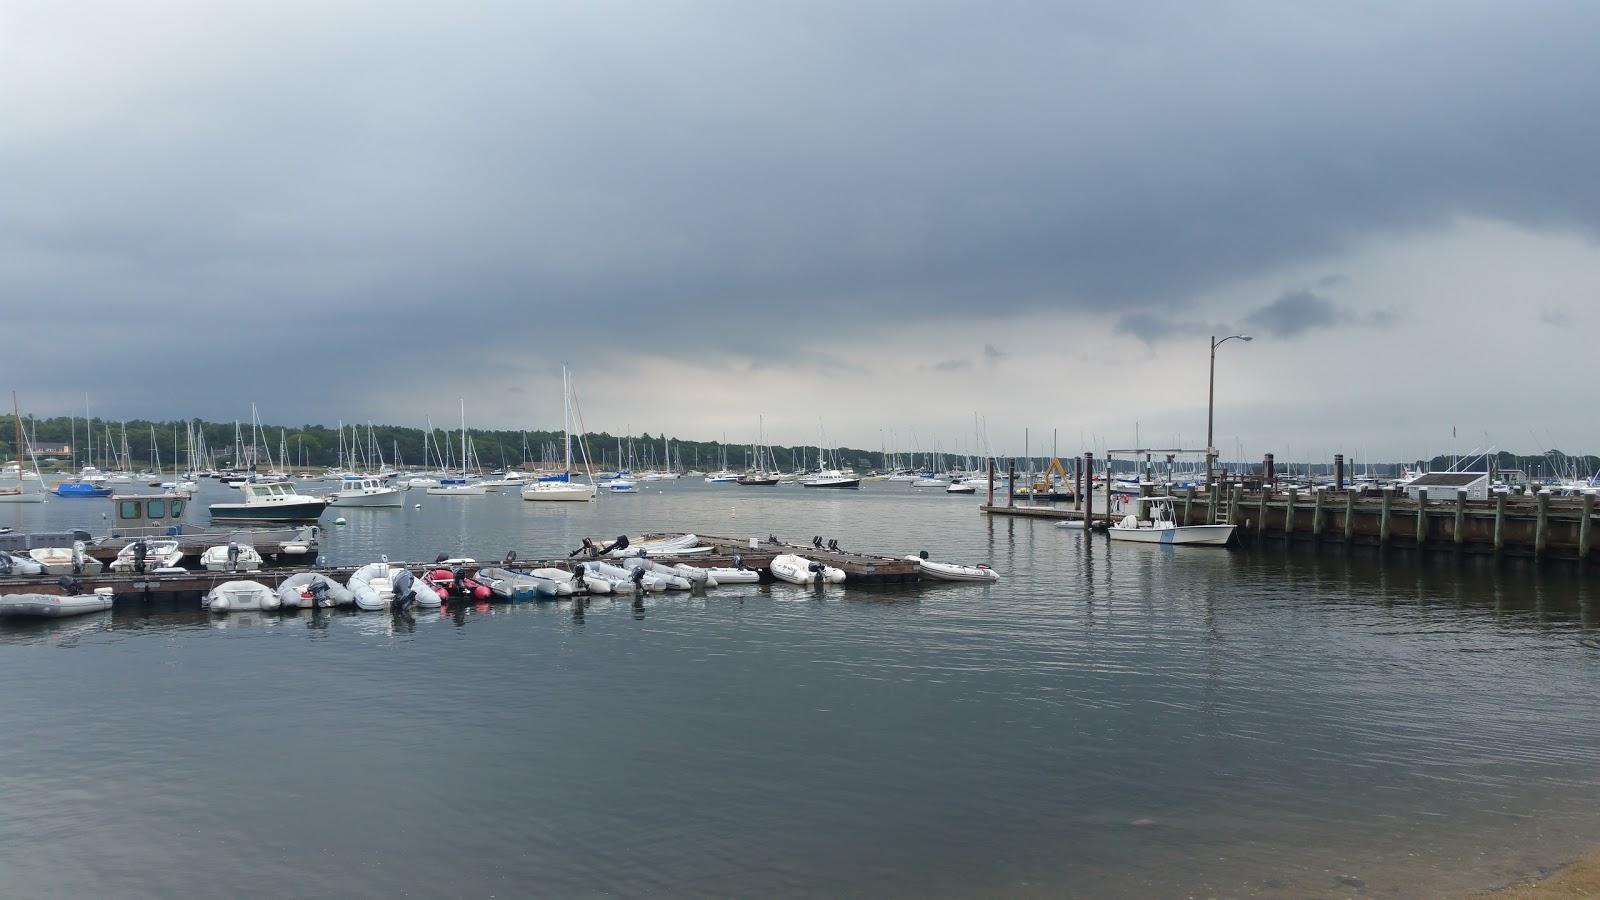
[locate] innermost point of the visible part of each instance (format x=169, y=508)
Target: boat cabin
x=1443, y=485
x=145, y=515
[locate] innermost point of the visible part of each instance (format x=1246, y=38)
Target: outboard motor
x=738, y=562
x=577, y=574
x=73, y=586
x=319, y=594
x=587, y=548
x=818, y=568
x=817, y=542
x=5, y=564
x=772, y=539
x=923, y=554
x=459, y=574
x=77, y=557
x=511, y=557
x=621, y=543
x=233, y=556
x=638, y=579
x=440, y=558
x=405, y=590
x=141, y=550
x=833, y=544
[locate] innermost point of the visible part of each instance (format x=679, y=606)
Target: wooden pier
x=1539, y=526
x=860, y=569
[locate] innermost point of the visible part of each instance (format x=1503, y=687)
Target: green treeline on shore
x=318, y=446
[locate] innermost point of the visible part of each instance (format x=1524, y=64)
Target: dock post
x=1583, y=527
x=1269, y=471
x=1088, y=495
x=1188, y=504
x=1109, y=479
x=1261, y=512
x=1077, y=484
x=1499, y=522
x=1011, y=483
x=1316, y=515
x=1235, y=496
x=1146, y=489
x=1338, y=470
x=1541, y=530
x=1349, y=516
x=1383, y=523
x=991, y=482
x=1288, y=516
x=1461, y=518
x=1422, y=516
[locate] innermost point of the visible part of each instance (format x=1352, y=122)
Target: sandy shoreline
x=1580, y=878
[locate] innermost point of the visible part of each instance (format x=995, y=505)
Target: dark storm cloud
x=1154, y=328
x=642, y=170
x=1300, y=312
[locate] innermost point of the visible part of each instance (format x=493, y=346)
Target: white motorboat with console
x=1162, y=528
x=233, y=557
x=366, y=492
x=159, y=556
x=272, y=502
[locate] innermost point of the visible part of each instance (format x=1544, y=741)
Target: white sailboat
x=567, y=490
x=466, y=487
x=18, y=492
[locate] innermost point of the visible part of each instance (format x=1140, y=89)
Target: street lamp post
x=1211, y=405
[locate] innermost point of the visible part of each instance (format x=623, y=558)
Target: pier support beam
x=991, y=482
x=1499, y=522
x=1316, y=515
x=1109, y=479
x=1349, y=516
x=1234, y=500
x=1188, y=504
x=1288, y=516
x=1261, y=512
x=1088, y=493
x=1583, y=527
x=1422, y=516
x=1011, y=483
x=1461, y=518
x=1383, y=523
x=1541, y=528
x=1077, y=484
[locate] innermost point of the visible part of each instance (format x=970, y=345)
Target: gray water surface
x=1108, y=720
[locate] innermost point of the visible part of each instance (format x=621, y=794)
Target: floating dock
x=860, y=569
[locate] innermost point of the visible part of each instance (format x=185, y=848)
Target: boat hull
x=558, y=492
x=387, y=499
x=1196, y=535
x=303, y=511
x=841, y=484
x=47, y=606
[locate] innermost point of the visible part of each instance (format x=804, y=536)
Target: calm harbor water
x=1108, y=720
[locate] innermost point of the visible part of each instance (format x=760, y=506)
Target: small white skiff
x=942, y=571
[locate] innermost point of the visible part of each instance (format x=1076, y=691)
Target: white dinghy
x=376, y=585
x=217, y=559
x=623, y=581
x=49, y=606
x=240, y=596
x=799, y=570
x=159, y=556
x=313, y=590
x=1162, y=528
x=674, y=579
x=941, y=571
x=566, y=583
x=674, y=546
x=12, y=564
x=65, y=560
x=698, y=576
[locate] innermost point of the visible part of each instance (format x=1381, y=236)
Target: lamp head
x=1246, y=337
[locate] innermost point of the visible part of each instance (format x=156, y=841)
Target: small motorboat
x=473, y=489
x=443, y=582
x=1162, y=528
x=219, y=559
x=65, y=560
x=675, y=580
x=50, y=606
x=698, y=576
x=833, y=478
x=159, y=556
x=758, y=479
x=80, y=489
x=962, y=487
x=240, y=596
x=799, y=570
x=374, y=587
x=505, y=584
x=12, y=564
x=940, y=571
x=683, y=543
x=366, y=492
x=625, y=580
x=738, y=573
x=621, y=486
x=313, y=590
x=1071, y=524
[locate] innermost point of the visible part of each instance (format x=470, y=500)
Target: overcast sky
x=880, y=219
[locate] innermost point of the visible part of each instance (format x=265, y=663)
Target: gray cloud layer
x=295, y=167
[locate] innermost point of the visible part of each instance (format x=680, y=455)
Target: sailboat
x=19, y=493
x=466, y=487
x=566, y=489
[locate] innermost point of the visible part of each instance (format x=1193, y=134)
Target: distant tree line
x=318, y=446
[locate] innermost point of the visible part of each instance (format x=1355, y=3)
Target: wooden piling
x=1349, y=516
x=1383, y=523
x=1234, y=499
x=1461, y=518
x=1541, y=528
x=1088, y=495
x=1077, y=484
x=1261, y=512
x=1011, y=483
x=1499, y=522
x=991, y=482
x=1288, y=515
x=1422, y=516
x=1188, y=504
x=1109, y=479
x=1583, y=527
x=1316, y=515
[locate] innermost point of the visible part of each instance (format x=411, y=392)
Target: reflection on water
x=1108, y=720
